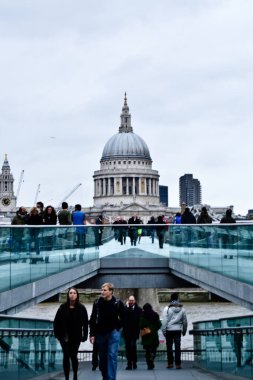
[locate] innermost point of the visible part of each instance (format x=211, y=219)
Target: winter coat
x=77, y=330
x=131, y=324
x=174, y=318
x=204, y=218
x=106, y=316
x=188, y=218
x=152, y=321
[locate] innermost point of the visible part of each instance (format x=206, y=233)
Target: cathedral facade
x=126, y=183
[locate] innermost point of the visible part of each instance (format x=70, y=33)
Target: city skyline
x=187, y=71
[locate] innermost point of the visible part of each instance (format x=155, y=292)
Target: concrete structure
x=133, y=268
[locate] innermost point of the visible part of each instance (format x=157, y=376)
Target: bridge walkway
x=160, y=372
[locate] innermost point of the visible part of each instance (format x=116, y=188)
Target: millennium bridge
x=38, y=262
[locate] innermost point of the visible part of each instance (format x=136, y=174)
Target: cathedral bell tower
x=7, y=197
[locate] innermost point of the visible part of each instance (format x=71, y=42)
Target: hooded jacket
x=174, y=318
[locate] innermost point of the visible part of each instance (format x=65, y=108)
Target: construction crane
x=36, y=195
x=70, y=193
x=21, y=180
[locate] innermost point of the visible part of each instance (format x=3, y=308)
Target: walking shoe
x=134, y=366
x=170, y=366
x=178, y=366
x=128, y=367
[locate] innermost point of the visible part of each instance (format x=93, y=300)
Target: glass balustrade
x=225, y=345
x=28, y=348
x=29, y=253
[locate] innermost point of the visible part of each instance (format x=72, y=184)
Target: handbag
x=145, y=331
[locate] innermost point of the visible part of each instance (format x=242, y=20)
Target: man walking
x=131, y=331
x=174, y=325
x=64, y=219
x=105, y=323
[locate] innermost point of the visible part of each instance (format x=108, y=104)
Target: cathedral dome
x=125, y=144
x=128, y=145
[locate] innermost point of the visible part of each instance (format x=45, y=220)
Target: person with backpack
x=106, y=320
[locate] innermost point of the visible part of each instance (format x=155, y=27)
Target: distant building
x=7, y=197
x=163, y=195
x=189, y=190
x=126, y=182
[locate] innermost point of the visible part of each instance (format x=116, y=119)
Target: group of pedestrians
x=134, y=229
x=47, y=216
x=109, y=319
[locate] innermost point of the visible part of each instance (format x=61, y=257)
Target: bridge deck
x=188, y=372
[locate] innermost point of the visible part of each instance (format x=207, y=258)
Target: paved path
x=159, y=373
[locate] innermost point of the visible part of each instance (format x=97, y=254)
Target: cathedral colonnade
x=121, y=185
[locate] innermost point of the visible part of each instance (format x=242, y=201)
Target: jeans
x=108, y=344
x=173, y=337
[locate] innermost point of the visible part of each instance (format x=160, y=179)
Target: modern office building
x=163, y=195
x=189, y=190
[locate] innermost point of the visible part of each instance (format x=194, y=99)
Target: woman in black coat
x=71, y=328
x=151, y=321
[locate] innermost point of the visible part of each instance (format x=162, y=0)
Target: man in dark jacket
x=105, y=323
x=131, y=331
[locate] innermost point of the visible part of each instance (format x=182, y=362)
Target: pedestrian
x=204, y=217
x=79, y=219
x=151, y=229
x=174, y=324
x=49, y=219
x=64, y=219
x=227, y=236
x=18, y=235
x=188, y=217
x=131, y=331
x=71, y=328
x=160, y=230
x=150, y=324
x=227, y=218
x=122, y=231
x=40, y=207
x=105, y=323
x=99, y=231
x=133, y=230
x=177, y=218
x=34, y=219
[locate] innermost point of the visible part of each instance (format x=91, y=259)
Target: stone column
x=133, y=185
x=127, y=186
x=109, y=186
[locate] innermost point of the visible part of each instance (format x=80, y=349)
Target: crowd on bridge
x=132, y=228
x=110, y=319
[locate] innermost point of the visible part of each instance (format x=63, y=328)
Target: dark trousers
x=131, y=353
x=150, y=356
x=95, y=355
x=173, y=337
x=70, y=350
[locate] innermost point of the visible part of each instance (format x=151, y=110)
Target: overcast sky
x=187, y=68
